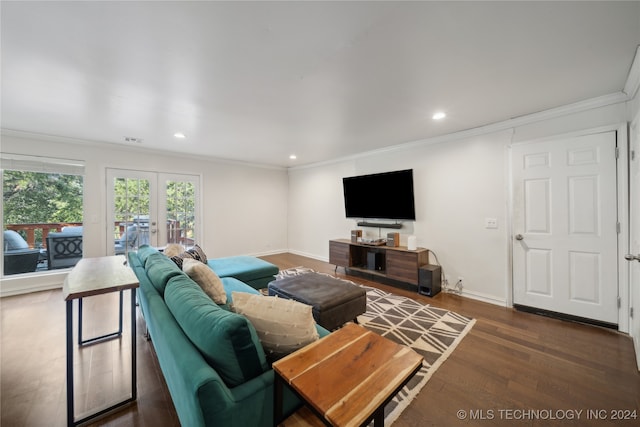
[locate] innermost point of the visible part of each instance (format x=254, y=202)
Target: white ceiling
x=258, y=81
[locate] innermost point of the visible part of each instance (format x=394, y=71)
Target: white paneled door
x=565, y=226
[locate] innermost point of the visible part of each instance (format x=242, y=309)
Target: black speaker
x=375, y=261
x=429, y=280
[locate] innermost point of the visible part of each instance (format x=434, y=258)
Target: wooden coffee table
x=347, y=377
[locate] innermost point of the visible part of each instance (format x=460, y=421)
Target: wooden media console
x=396, y=265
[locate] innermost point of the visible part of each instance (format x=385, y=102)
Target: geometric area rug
x=432, y=332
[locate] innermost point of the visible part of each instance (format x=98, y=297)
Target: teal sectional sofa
x=212, y=360
x=250, y=270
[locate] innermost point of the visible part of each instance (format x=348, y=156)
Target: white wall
x=458, y=184
x=244, y=207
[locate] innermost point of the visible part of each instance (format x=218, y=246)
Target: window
x=42, y=213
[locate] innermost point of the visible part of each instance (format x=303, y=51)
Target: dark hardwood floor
x=512, y=369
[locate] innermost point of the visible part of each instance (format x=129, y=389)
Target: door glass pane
x=131, y=214
x=181, y=204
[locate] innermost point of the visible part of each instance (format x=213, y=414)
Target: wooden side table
x=347, y=377
x=97, y=276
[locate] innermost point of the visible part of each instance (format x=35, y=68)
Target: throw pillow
x=206, y=278
x=283, y=325
x=196, y=253
x=173, y=249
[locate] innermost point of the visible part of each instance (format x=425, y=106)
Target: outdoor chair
x=18, y=257
x=64, y=249
x=127, y=240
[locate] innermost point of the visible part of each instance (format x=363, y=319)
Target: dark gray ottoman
x=334, y=301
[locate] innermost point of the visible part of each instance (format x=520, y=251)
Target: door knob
x=519, y=237
x=631, y=257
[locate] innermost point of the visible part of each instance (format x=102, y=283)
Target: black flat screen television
x=387, y=195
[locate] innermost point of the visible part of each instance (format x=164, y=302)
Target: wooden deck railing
x=174, y=232
x=30, y=230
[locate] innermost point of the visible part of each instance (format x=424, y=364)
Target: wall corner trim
x=633, y=79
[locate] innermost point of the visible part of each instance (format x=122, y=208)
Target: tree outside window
x=34, y=204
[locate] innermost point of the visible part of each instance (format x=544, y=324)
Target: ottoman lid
x=316, y=289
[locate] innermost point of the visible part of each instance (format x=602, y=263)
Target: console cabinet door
x=339, y=254
x=402, y=266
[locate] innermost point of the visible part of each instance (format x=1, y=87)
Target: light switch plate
x=491, y=223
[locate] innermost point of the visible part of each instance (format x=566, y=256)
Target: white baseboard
x=267, y=253
x=479, y=296
x=491, y=299
x=43, y=282
x=319, y=258
x=32, y=282
x=10, y=290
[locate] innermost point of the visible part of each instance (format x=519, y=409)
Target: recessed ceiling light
x=293, y=157
x=439, y=115
x=179, y=135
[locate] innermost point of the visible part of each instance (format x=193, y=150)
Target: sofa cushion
x=206, y=279
x=14, y=241
x=196, y=253
x=227, y=341
x=231, y=285
x=144, y=251
x=243, y=267
x=283, y=325
x=75, y=229
x=160, y=270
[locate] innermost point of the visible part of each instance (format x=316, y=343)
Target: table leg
x=277, y=399
x=71, y=421
x=70, y=410
x=112, y=335
x=134, y=356
x=80, y=311
x=378, y=417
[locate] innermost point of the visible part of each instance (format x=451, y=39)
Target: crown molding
x=131, y=148
x=510, y=124
x=631, y=87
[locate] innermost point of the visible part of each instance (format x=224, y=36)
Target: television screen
x=387, y=195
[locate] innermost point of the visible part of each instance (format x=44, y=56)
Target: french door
x=564, y=226
x=151, y=208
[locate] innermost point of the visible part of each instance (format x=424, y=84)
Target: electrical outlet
x=491, y=223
